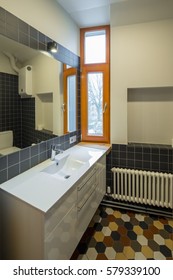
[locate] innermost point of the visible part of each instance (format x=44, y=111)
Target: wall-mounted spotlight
x=52, y=47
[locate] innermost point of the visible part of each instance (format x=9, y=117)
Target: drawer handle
x=84, y=183
x=81, y=205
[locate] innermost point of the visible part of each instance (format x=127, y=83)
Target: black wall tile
x=13, y=171
x=24, y=154
x=142, y=157
x=3, y=163
x=13, y=158
x=25, y=165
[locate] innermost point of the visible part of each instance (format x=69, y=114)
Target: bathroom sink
x=64, y=166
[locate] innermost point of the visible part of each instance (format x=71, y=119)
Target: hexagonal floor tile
x=159, y=239
x=169, y=243
x=103, y=213
x=125, y=218
x=139, y=256
x=108, y=241
x=100, y=247
x=129, y=252
x=125, y=240
x=148, y=234
x=140, y=217
x=136, y=246
x=165, y=251
x=134, y=221
x=132, y=235
x=159, y=256
x=113, y=226
x=158, y=225
x=168, y=228
x=96, y=218
x=109, y=211
x=170, y=222
x=122, y=230
x=91, y=253
x=118, y=246
x=138, y=230
x=153, y=245
x=106, y=231
x=142, y=240
x=98, y=226
x=153, y=229
x=128, y=225
x=120, y=256
x=104, y=222
x=82, y=248
x=99, y=236
x=148, y=220
x=119, y=222
x=147, y=252
x=164, y=233
x=117, y=214
x=92, y=242
x=82, y=257
x=143, y=225
x=110, y=253
x=101, y=256
x=115, y=235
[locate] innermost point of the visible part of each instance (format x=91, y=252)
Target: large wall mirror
x=43, y=108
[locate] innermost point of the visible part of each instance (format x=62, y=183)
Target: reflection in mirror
x=70, y=99
x=40, y=116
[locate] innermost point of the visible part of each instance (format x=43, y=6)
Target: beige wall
x=141, y=56
x=49, y=18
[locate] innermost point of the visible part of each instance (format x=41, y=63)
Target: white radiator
x=144, y=187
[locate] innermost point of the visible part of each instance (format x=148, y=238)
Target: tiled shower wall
x=16, y=163
x=18, y=114
x=10, y=106
x=158, y=158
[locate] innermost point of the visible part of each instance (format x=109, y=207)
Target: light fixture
x=52, y=47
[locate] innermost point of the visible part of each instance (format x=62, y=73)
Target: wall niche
x=150, y=115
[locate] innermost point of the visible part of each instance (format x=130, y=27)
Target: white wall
x=141, y=56
x=49, y=18
x=5, y=66
x=150, y=115
x=47, y=82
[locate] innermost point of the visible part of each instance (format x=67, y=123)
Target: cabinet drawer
x=86, y=189
x=89, y=174
x=61, y=243
x=85, y=214
x=58, y=211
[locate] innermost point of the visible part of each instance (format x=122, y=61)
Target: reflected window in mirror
x=69, y=105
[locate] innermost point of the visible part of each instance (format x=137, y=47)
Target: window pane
x=95, y=104
x=95, y=47
x=71, y=97
x=68, y=66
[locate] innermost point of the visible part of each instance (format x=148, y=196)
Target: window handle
x=63, y=107
x=105, y=107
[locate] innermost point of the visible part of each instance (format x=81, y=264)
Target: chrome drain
x=66, y=176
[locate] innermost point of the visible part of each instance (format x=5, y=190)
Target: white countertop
x=41, y=190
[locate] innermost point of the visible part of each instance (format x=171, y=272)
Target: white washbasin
x=66, y=164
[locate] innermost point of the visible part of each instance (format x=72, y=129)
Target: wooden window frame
x=66, y=73
x=95, y=67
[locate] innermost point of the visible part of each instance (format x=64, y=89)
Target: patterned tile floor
x=124, y=235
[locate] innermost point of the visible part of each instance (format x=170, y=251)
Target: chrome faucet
x=55, y=150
